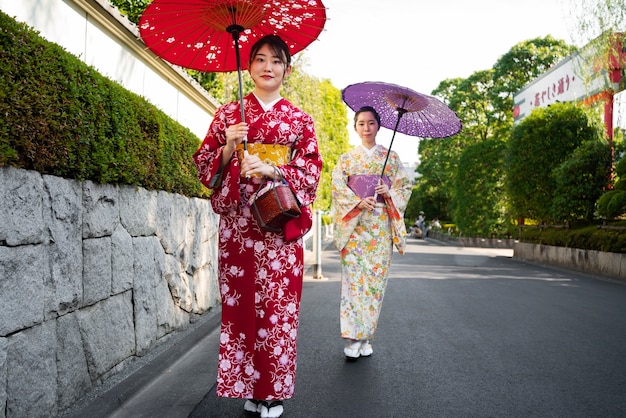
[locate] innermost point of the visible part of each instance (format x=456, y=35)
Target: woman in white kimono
x=369, y=212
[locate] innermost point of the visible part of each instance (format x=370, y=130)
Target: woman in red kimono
x=260, y=273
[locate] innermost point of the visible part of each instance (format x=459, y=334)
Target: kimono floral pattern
x=260, y=273
x=365, y=241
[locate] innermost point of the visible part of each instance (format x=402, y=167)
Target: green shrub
x=588, y=237
x=479, y=173
x=612, y=204
x=61, y=117
x=580, y=180
x=602, y=205
x=539, y=144
x=617, y=205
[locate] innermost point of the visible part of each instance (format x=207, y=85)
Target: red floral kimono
x=260, y=273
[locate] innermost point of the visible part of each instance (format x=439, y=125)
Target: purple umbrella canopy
x=404, y=110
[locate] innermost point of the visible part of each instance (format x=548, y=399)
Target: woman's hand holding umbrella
x=235, y=135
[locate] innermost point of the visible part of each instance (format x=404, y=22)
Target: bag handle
x=281, y=181
x=278, y=178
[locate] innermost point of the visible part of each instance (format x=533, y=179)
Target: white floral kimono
x=366, y=238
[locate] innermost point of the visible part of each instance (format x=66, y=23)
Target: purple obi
x=363, y=185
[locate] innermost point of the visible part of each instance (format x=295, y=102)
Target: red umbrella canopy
x=199, y=34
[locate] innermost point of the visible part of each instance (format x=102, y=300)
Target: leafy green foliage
x=323, y=102
x=131, y=8
x=413, y=208
x=537, y=146
x=435, y=183
x=617, y=205
x=61, y=117
x=580, y=181
x=480, y=173
x=586, y=237
x=523, y=63
x=484, y=102
x=612, y=203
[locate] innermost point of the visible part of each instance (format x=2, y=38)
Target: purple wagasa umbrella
x=404, y=110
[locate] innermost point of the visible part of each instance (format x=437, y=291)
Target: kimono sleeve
x=344, y=203
x=302, y=174
x=400, y=188
x=224, y=183
x=400, y=193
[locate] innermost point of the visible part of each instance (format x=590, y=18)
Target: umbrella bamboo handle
x=245, y=152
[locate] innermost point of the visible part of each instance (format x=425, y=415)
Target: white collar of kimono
x=370, y=151
x=266, y=106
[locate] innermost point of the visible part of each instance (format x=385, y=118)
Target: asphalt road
x=464, y=332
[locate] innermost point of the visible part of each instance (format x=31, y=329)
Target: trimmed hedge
x=589, y=237
x=61, y=117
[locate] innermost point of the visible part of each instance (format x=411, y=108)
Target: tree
x=480, y=173
x=523, y=63
x=597, y=18
x=601, y=24
x=434, y=184
x=323, y=102
x=538, y=145
x=580, y=180
x=484, y=102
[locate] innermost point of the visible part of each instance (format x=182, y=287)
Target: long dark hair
x=367, y=109
x=276, y=44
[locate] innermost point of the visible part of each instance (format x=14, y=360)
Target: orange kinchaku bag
x=273, y=204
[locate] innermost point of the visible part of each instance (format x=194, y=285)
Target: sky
x=419, y=43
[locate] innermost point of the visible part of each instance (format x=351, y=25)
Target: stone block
x=107, y=332
x=73, y=375
x=21, y=207
x=138, y=211
x=179, y=289
x=173, y=212
x=24, y=271
x=147, y=275
x=97, y=277
x=205, y=289
x=32, y=372
x=170, y=317
x=64, y=221
x=122, y=259
x=202, y=233
x=101, y=210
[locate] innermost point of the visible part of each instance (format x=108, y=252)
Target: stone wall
x=91, y=277
x=611, y=265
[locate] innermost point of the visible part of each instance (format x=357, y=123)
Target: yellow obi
x=272, y=154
